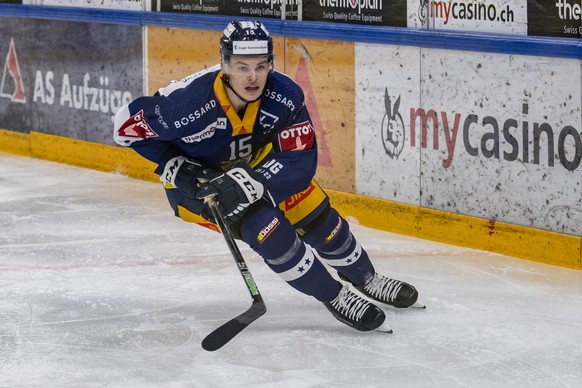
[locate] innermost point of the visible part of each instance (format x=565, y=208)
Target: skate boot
x=355, y=311
x=390, y=291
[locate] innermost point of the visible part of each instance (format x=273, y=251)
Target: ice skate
x=389, y=291
x=356, y=312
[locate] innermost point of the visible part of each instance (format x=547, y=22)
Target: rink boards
x=464, y=147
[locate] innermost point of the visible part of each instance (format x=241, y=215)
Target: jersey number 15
x=240, y=148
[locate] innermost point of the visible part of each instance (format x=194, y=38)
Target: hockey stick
x=221, y=336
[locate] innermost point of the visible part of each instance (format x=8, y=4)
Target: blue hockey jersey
x=194, y=118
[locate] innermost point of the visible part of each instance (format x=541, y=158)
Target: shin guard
x=271, y=235
x=330, y=236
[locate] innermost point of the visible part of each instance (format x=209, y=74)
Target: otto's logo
x=392, y=127
x=297, y=130
x=297, y=137
x=11, y=85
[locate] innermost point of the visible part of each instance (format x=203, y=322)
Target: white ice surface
x=101, y=286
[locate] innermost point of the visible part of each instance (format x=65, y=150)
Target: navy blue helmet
x=245, y=38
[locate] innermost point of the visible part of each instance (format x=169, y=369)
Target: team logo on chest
x=267, y=121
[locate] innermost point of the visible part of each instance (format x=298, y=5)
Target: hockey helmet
x=245, y=38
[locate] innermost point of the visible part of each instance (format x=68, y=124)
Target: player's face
x=248, y=75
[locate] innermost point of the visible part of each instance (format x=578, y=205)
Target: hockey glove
x=186, y=175
x=236, y=190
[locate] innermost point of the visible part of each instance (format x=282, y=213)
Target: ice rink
x=101, y=286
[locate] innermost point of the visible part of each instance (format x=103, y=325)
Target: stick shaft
x=238, y=258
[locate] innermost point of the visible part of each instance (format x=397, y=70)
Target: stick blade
x=222, y=335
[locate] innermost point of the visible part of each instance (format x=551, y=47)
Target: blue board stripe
x=454, y=40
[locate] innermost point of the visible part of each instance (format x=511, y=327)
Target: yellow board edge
x=471, y=232
x=15, y=143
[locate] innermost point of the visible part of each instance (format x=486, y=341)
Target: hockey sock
x=332, y=239
x=271, y=235
x=302, y=270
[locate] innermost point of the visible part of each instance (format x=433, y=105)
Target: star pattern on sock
x=305, y=266
x=353, y=258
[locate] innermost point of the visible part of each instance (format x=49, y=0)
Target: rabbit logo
x=392, y=127
x=423, y=10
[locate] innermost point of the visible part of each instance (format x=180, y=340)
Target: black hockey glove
x=186, y=175
x=236, y=190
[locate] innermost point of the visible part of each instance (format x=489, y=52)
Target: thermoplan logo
x=358, y=5
x=571, y=13
x=270, y=3
x=11, y=85
x=512, y=139
x=568, y=10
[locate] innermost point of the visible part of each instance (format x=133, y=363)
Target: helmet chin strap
x=226, y=83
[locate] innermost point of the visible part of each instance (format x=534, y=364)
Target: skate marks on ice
x=101, y=286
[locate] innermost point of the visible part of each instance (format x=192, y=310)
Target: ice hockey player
x=241, y=131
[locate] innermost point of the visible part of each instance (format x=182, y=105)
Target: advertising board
x=369, y=12
x=498, y=16
x=245, y=8
x=561, y=18
x=493, y=136
x=72, y=81
x=128, y=5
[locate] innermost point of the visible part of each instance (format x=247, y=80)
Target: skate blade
x=384, y=328
x=418, y=305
